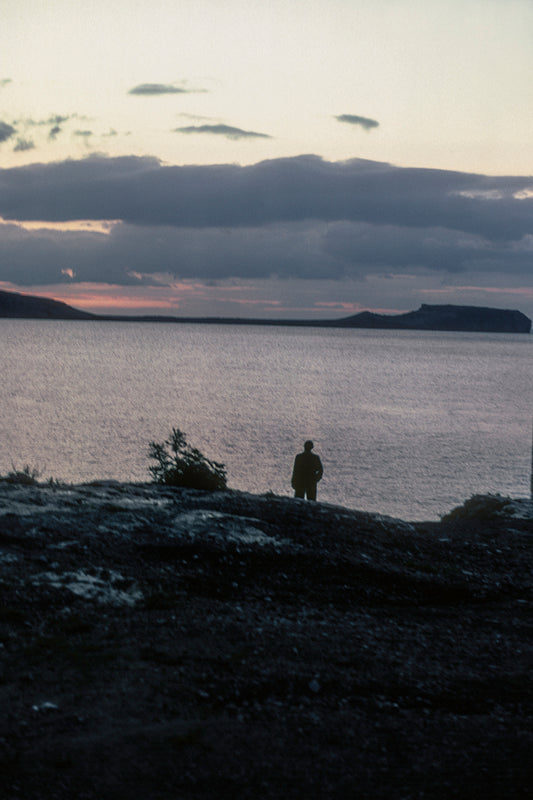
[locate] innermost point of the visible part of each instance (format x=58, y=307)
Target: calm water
x=407, y=424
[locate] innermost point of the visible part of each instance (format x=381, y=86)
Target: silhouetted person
x=306, y=473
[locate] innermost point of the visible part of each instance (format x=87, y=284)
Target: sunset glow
x=323, y=157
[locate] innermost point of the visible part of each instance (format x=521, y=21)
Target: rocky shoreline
x=166, y=643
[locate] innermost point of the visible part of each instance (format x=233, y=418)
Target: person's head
x=308, y=446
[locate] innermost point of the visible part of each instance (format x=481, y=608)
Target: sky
x=283, y=159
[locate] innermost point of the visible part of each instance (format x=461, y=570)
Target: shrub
x=25, y=476
x=480, y=506
x=179, y=464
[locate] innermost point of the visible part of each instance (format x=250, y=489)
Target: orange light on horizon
x=114, y=298
x=88, y=301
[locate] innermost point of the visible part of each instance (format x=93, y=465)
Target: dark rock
x=230, y=645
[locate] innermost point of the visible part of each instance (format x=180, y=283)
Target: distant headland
x=27, y=306
x=427, y=318
x=446, y=318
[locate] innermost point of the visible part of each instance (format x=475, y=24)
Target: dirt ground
x=163, y=643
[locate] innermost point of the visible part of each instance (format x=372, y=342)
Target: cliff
x=445, y=318
x=164, y=643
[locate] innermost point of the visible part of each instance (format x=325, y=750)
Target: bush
x=27, y=476
x=480, y=507
x=179, y=464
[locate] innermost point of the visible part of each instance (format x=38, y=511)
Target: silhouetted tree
x=179, y=464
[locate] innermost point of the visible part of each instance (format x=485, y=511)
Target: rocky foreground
x=164, y=643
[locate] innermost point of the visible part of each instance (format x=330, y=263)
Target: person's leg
x=311, y=491
x=299, y=492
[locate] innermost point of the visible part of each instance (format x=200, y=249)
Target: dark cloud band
x=143, y=191
x=305, y=250
x=297, y=218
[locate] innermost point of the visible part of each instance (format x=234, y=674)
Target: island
x=426, y=318
x=162, y=643
x=445, y=318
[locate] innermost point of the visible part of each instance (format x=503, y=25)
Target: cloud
x=375, y=249
x=6, y=131
x=58, y=119
x=28, y=130
x=303, y=251
x=54, y=119
x=297, y=218
x=55, y=122
x=45, y=256
x=223, y=130
x=141, y=190
x=84, y=134
x=153, y=89
x=23, y=144
x=352, y=119
x=192, y=116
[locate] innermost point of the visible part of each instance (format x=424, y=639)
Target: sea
x=408, y=424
